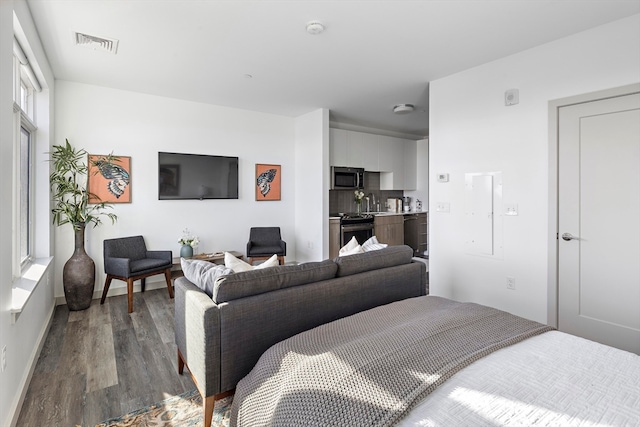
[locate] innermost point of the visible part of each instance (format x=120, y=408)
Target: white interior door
x=599, y=205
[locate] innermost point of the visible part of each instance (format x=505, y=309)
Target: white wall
x=102, y=120
x=8, y=383
x=312, y=186
x=472, y=131
x=22, y=338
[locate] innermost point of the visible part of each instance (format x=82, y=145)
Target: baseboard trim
x=119, y=290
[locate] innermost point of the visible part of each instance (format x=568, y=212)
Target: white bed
x=428, y=361
x=553, y=379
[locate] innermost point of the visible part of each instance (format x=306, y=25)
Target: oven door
x=362, y=232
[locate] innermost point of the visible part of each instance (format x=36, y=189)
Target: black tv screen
x=197, y=176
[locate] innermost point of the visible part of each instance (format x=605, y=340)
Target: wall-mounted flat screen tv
x=197, y=176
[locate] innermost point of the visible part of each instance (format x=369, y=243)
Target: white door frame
x=554, y=106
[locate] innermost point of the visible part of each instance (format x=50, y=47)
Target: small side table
x=216, y=258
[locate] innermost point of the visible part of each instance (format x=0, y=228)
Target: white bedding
x=553, y=379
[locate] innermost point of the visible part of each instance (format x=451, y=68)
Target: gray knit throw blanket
x=371, y=368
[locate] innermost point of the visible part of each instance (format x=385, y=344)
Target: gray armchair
x=264, y=242
x=128, y=259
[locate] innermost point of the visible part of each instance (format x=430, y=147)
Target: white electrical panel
x=483, y=212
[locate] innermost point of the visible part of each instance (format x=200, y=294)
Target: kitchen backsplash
x=343, y=200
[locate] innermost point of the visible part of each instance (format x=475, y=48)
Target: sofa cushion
x=255, y=282
x=372, y=244
x=352, y=247
x=203, y=274
x=238, y=265
x=373, y=260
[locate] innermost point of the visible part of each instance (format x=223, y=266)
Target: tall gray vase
x=79, y=274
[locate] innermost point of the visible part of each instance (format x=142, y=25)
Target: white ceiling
x=372, y=55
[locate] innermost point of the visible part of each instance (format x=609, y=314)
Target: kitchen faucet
x=372, y=197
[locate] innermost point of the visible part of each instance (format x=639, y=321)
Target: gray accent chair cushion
x=128, y=257
x=265, y=241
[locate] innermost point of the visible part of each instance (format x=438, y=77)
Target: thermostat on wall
x=443, y=177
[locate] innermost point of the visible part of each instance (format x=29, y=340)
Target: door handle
x=569, y=236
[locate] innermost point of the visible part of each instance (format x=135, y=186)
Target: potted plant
x=71, y=205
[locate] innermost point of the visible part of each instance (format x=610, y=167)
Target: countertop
x=385, y=213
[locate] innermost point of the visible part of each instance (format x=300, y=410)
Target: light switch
x=511, y=209
x=442, y=207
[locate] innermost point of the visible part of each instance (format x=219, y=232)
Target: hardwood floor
x=103, y=362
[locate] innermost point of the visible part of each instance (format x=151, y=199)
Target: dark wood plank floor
x=103, y=362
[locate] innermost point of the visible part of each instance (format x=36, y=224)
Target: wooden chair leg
x=107, y=283
x=208, y=403
x=280, y=260
x=130, y=293
x=143, y=284
x=167, y=276
x=180, y=363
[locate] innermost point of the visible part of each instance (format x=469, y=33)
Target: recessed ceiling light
x=315, y=27
x=403, y=108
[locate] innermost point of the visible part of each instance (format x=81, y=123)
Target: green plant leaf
x=68, y=183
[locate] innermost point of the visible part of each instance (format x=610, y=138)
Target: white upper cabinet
x=392, y=168
x=386, y=151
x=338, y=147
x=369, y=152
x=355, y=149
x=394, y=158
x=410, y=165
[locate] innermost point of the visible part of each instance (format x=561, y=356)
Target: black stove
x=354, y=218
x=358, y=225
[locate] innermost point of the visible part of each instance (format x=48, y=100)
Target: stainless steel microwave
x=344, y=178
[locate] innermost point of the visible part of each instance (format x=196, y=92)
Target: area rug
x=184, y=410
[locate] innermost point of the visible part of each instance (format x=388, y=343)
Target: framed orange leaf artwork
x=268, y=182
x=109, y=179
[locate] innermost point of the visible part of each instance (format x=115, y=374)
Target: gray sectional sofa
x=221, y=337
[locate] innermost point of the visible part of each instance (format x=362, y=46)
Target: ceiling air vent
x=96, y=43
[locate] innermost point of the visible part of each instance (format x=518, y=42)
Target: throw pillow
x=203, y=274
x=372, y=244
x=352, y=247
x=237, y=265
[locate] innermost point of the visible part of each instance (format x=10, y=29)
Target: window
x=24, y=135
x=25, y=195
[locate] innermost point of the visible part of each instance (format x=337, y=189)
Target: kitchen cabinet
x=395, y=158
x=389, y=229
x=416, y=232
x=338, y=147
x=398, y=163
x=353, y=149
x=334, y=237
x=355, y=141
x=410, y=165
x=369, y=152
